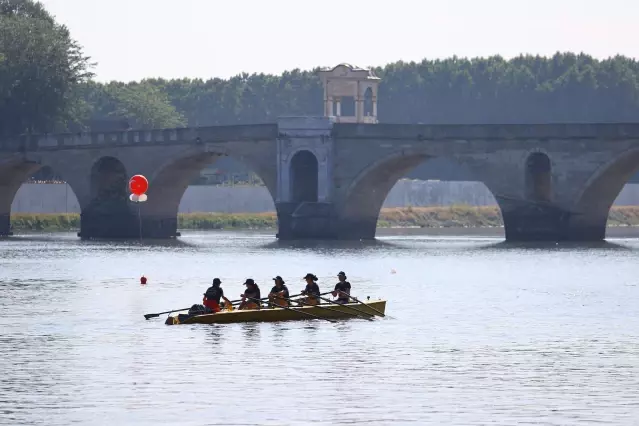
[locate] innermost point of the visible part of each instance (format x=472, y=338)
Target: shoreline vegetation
x=456, y=216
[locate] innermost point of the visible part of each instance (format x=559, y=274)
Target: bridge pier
x=536, y=222
x=158, y=227
x=127, y=226
x=108, y=226
x=5, y=225
x=307, y=220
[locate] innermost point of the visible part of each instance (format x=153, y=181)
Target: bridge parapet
x=552, y=131
x=142, y=137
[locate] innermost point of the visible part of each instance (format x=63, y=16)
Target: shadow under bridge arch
x=172, y=191
x=458, y=200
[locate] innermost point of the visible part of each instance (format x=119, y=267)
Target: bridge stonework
x=329, y=180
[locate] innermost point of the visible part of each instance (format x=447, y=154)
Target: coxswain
x=252, y=291
x=279, y=293
x=311, y=290
x=213, y=295
x=342, y=289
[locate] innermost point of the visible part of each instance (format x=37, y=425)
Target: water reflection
x=280, y=332
x=100, y=242
x=215, y=333
x=330, y=246
x=554, y=246
x=251, y=333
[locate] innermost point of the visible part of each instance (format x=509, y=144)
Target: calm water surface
x=481, y=333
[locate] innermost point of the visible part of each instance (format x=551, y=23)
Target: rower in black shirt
x=213, y=295
x=342, y=289
x=279, y=293
x=252, y=291
x=311, y=290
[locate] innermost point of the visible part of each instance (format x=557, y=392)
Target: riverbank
x=400, y=217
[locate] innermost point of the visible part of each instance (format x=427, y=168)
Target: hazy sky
x=134, y=39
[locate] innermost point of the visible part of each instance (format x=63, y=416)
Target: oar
x=331, y=309
x=295, y=295
x=350, y=307
x=372, y=309
x=294, y=310
x=147, y=316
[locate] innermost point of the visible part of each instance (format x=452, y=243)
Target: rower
x=311, y=290
x=342, y=289
x=279, y=293
x=213, y=295
x=252, y=291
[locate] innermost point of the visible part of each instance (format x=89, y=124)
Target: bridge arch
x=14, y=173
x=363, y=200
x=592, y=205
x=304, y=177
x=169, y=182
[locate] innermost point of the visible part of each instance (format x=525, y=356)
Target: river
x=478, y=332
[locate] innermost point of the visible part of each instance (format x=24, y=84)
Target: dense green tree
x=566, y=87
x=141, y=105
x=40, y=70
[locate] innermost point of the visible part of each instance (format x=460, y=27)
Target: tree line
x=46, y=86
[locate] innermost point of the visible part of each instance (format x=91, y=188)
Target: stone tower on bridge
x=350, y=94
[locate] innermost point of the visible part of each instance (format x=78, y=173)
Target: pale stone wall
x=59, y=198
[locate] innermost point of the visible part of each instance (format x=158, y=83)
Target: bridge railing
x=141, y=137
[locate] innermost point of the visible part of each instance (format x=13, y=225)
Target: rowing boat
x=279, y=314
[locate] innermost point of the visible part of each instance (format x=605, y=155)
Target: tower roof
x=345, y=70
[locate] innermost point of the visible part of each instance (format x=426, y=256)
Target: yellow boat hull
x=294, y=314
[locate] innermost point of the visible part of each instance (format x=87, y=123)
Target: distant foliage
x=528, y=89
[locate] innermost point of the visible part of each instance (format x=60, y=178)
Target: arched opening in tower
x=368, y=102
x=346, y=107
x=304, y=177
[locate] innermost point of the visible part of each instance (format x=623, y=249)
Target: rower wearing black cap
x=342, y=289
x=279, y=292
x=252, y=291
x=213, y=295
x=311, y=290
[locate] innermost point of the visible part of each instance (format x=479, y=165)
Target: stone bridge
x=329, y=180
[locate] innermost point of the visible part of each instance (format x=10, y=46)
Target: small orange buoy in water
x=142, y=280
